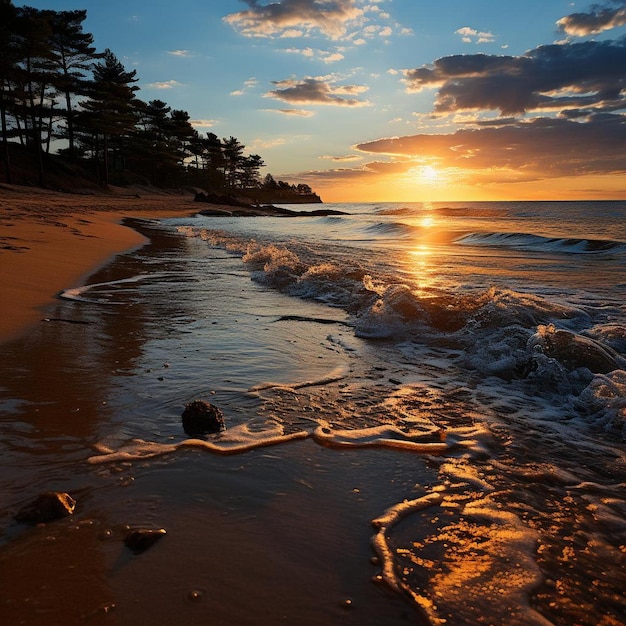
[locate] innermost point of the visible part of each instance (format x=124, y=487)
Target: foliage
x=56, y=89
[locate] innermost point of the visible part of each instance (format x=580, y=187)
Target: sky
x=392, y=100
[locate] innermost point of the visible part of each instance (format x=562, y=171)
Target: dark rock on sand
x=48, y=507
x=200, y=417
x=140, y=539
x=214, y=198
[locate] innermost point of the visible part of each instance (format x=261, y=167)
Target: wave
x=396, y=229
x=554, y=345
x=78, y=293
x=526, y=241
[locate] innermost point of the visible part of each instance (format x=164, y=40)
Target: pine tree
x=8, y=61
x=34, y=94
x=74, y=57
x=111, y=111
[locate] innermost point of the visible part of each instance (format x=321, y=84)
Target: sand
x=51, y=241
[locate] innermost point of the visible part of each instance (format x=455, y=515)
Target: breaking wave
x=524, y=241
x=496, y=331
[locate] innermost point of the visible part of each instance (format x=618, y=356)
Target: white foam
x=377, y=436
x=236, y=440
x=78, y=293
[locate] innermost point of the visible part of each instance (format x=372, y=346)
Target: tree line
x=55, y=86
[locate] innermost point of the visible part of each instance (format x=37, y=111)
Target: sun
x=429, y=173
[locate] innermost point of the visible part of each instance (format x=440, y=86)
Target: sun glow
x=428, y=173
x=422, y=267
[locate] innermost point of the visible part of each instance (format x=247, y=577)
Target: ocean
x=425, y=409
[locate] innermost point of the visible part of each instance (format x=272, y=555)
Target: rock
x=140, y=539
x=48, y=507
x=200, y=417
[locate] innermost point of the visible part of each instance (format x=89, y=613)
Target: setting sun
x=429, y=173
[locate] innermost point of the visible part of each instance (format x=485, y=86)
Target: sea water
x=440, y=386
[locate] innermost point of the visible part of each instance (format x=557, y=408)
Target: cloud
x=354, y=20
x=539, y=148
x=305, y=52
x=332, y=57
x=471, y=35
x=322, y=55
x=166, y=84
x=372, y=169
x=589, y=75
x=203, y=123
x=247, y=86
x=331, y=17
x=266, y=144
x=180, y=53
x=342, y=159
x=296, y=112
x=596, y=21
x=321, y=91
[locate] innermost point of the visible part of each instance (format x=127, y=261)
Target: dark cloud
x=357, y=174
x=317, y=91
x=576, y=75
x=599, y=19
x=329, y=16
x=538, y=148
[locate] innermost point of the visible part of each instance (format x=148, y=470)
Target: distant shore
x=50, y=241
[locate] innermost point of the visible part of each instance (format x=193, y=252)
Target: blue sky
x=373, y=99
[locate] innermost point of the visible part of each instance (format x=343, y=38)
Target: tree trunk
x=70, y=124
x=105, y=178
x=35, y=130
x=6, y=155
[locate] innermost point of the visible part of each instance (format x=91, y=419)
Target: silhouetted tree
x=269, y=182
x=74, y=57
x=250, y=167
x=33, y=93
x=8, y=61
x=232, y=150
x=110, y=113
x=182, y=132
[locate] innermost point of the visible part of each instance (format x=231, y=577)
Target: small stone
x=200, y=417
x=48, y=507
x=194, y=595
x=140, y=539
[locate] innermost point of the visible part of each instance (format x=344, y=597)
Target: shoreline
x=50, y=241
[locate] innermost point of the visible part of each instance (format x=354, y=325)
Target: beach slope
x=50, y=241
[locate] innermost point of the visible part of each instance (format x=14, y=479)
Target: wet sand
x=277, y=535
x=51, y=240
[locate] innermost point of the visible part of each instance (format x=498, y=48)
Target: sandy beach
x=51, y=240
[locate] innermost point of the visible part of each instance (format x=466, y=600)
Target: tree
x=74, y=57
x=250, y=168
x=232, y=150
x=183, y=133
x=269, y=182
x=33, y=93
x=210, y=151
x=162, y=143
x=8, y=61
x=110, y=112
